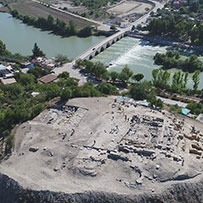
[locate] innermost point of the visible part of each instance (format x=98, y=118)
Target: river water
x=20, y=38
x=138, y=55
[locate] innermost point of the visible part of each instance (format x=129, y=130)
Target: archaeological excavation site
x=104, y=150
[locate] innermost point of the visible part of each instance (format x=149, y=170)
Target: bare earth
x=97, y=144
x=129, y=7
x=37, y=10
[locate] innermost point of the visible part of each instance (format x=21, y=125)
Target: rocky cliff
x=12, y=192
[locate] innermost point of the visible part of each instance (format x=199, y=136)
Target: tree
x=14, y=13
x=113, y=27
x=61, y=59
x=66, y=93
x=64, y=75
x=99, y=69
x=50, y=22
x=25, y=79
x=107, y=88
x=161, y=78
x=51, y=90
x=139, y=91
x=36, y=52
x=138, y=77
x=185, y=79
x=123, y=77
x=72, y=26
x=155, y=75
x=114, y=76
x=85, y=32
x=159, y=103
x=127, y=70
x=38, y=72
x=196, y=79
x=2, y=48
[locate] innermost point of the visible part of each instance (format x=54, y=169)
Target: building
x=3, y=70
x=200, y=118
x=48, y=78
x=178, y=4
x=44, y=62
x=8, y=81
x=27, y=65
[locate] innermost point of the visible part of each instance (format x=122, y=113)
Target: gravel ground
x=98, y=144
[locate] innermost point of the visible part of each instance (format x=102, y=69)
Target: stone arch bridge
x=101, y=46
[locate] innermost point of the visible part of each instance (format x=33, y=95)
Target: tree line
x=172, y=60
x=58, y=27
x=100, y=72
x=161, y=79
x=93, y=4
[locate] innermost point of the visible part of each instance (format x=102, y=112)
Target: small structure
x=34, y=94
x=27, y=65
x=200, y=118
x=3, y=70
x=178, y=4
x=48, y=78
x=185, y=112
x=143, y=103
x=8, y=81
x=44, y=63
x=128, y=100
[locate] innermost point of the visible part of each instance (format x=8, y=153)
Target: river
x=20, y=38
x=138, y=55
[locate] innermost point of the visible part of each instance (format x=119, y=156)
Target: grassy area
x=38, y=10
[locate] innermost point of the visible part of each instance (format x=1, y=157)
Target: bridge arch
x=96, y=53
x=90, y=57
x=108, y=45
x=102, y=49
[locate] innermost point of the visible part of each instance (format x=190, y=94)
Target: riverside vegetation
x=148, y=89
x=172, y=60
x=58, y=27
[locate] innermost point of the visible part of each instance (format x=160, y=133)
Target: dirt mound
x=107, y=147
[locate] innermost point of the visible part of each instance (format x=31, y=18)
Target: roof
x=48, y=78
x=34, y=94
x=2, y=67
x=185, y=111
x=200, y=118
x=8, y=81
x=132, y=101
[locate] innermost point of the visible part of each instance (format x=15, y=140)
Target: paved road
x=68, y=67
x=172, y=102
x=72, y=14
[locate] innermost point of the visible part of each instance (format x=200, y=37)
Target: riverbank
x=50, y=19
x=138, y=55
x=36, y=10
x=50, y=44
x=163, y=41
